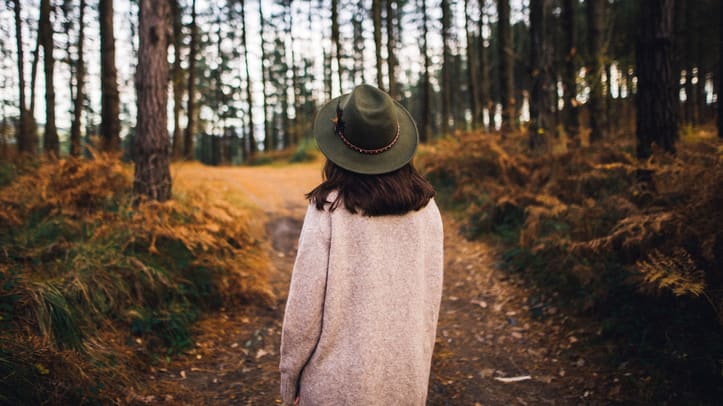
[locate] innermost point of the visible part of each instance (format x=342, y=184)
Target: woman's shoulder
x=432, y=215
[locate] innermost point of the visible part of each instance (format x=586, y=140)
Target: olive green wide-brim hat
x=366, y=132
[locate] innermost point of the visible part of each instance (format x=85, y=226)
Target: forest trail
x=490, y=350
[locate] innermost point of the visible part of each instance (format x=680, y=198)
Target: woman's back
x=381, y=300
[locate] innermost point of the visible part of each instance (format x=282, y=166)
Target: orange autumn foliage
x=84, y=271
x=581, y=208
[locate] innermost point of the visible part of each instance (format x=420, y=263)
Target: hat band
x=340, y=125
x=340, y=133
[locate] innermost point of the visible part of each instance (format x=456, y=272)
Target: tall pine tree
x=152, y=176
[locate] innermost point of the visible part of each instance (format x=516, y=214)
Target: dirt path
x=486, y=336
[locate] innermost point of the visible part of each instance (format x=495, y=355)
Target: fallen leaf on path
x=513, y=378
x=481, y=303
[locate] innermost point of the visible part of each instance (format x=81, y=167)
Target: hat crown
x=370, y=119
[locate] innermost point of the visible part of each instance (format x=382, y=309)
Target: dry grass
x=92, y=282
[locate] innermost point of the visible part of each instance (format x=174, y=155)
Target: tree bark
x=110, y=102
x=326, y=62
x=34, y=75
x=446, y=67
x=377, y=17
x=506, y=73
x=569, y=79
x=285, y=106
x=177, y=78
x=358, y=27
x=269, y=145
x=720, y=74
x=426, y=91
x=24, y=138
x=540, y=59
x=249, y=97
x=596, y=27
x=75, y=147
x=152, y=177
x=335, y=41
x=294, y=75
x=188, y=137
x=657, y=120
x=471, y=70
x=485, y=101
x=391, y=50
x=217, y=127
x=51, y=145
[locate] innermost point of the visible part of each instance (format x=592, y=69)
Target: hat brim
x=336, y=151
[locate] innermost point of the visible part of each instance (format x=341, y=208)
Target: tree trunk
x=596, y=27
x=23, y=135
x=485, y=101
x=34, y=75
x=188, y=137
x=506, y=73
x=689, y=40
x=335, y=41
x=358, y=26
x=218, y=122
x=703, y=116
x=426, y=91
x=249, y=98
x=471, y=70
x=286, y=122
x=569, y=79
x=377, y=17
x=177, y=78
x=391, y=50
x=720, y=74
x=31, y=126
x=110, y=102
x=656, y=99
x=294, y=75
x=51, y=145
x=75, y=148
x=152, y=177
x=540, y=59
x=326, y=61
x=269, y=145
x=446, y=67
x=608, y=97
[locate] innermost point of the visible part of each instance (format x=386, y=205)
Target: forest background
x=581, y=136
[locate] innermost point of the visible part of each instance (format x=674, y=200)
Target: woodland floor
x=487, y=330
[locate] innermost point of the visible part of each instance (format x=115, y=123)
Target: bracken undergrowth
x=636, y=244
x=95, y=286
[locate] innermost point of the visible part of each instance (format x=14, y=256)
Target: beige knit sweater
x=362, y=310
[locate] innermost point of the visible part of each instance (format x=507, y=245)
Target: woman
x=362, y=310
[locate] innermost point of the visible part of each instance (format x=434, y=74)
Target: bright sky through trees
x=311, y=36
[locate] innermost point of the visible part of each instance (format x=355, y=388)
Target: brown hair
x=396, y=192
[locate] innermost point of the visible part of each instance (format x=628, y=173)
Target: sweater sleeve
x=305, y=303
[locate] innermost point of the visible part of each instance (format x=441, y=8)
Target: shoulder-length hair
x=396, y=192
